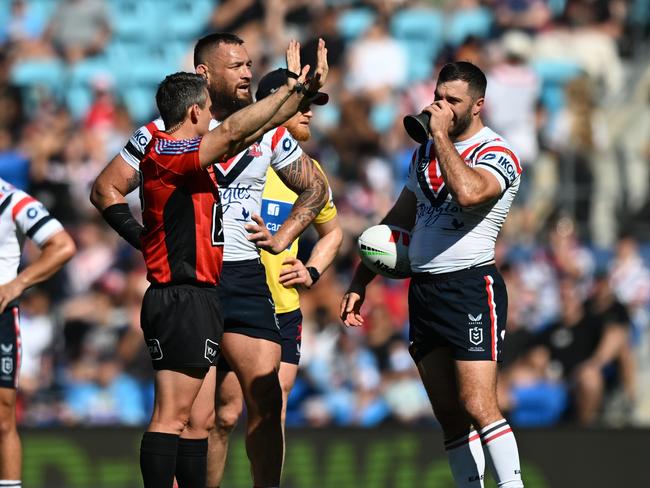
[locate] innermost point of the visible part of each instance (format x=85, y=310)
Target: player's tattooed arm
x=304, y=178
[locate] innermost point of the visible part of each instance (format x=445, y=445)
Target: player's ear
x=478, y=106
x=193, y=113
x=202, y=70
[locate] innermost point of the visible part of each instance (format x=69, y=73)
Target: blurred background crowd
x=568, y=86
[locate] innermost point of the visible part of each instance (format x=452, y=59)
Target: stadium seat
x=140, y=102
x=78, y=100
x=354, y=23
x=421, y=33
x=465, y=23
x=48, y=73
x=554, y=74
x=196, y=15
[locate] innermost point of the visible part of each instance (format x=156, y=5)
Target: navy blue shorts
x=291, y=332
x=10, y=347
x=463, y=310
x=248, y=308
x=182, y=326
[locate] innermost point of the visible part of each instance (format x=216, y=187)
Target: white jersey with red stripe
x=447, y=237
x=21, y=216
x=241, y=180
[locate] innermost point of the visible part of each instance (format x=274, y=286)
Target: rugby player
x=461, y=185
x=21, y=216
x=284, y=273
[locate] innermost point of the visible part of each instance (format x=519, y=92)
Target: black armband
x=120, y=218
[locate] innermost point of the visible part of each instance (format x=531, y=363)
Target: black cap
x=273, y=80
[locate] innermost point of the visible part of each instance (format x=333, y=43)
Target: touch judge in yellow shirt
x=284, y=273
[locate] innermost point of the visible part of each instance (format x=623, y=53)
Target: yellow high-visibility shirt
x=277, y=201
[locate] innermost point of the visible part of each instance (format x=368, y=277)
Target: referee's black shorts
x=464, y=310
x=248, y=306
x=182, y=325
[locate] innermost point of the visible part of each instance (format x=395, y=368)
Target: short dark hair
x=177, y=93
x=211, y=41
x=465, y=71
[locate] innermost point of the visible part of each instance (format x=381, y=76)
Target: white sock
x=501, y=449
x=466, y=460
x=11, y=484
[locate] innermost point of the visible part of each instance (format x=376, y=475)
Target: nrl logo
x=476, y=335
x=423, y=164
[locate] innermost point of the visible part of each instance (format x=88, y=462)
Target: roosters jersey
x=241, y=180
x=277, y=201
x=21, y=216
x=183, y=237
x=447, y=237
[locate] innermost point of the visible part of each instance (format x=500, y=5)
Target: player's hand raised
x=293, y=64
x=322, y=68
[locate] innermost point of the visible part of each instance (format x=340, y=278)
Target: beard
x=461, y=125
x=300, y=133
x=226, y=102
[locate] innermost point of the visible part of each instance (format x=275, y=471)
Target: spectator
x=79, y=29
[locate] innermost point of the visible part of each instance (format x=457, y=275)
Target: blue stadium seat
x=465, y=23
x=49, y=73
x=78, y=100
x=141, y=103
x=353, y=23
x=554, y=74
x=194, y=18
x=422, y=33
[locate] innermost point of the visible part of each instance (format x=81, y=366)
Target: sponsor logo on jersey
x=155, y=351
x=211, y=350
x=476, y=336
x=475, y=319
x=274, y=213
x=141, y=138
x=6, y=348
x=255, y=150
x=235, y=196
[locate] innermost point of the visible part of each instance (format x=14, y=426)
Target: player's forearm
x=304, y=179
x=402, y=214
x=304, y=210
x=361, y=278
x=464, y=183
x=54, y=254
x=325, y=250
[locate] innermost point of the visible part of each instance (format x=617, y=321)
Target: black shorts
x=10, y=347
x=291, y=332
x=182, y=325
x=463, y=310
x=248, y=306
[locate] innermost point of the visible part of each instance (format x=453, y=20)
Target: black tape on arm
x=120, y=218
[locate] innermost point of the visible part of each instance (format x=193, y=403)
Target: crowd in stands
x=568, y=86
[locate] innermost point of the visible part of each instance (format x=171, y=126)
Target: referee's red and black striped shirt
x=183, y=238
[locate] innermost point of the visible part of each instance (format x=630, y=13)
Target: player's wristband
x=120, y=218
x=314, y=274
